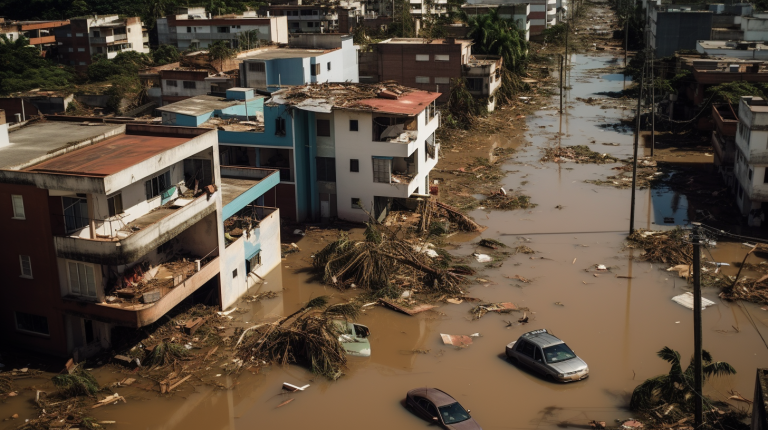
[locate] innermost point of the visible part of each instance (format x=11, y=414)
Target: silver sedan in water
x=544, y=353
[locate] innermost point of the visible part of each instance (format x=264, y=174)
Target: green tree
x=494, y=35
x=22, y=68
x=165, y=54
x=220, y=51
x=676, y=387
x=249, y=40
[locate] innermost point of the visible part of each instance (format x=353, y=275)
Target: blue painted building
x=240, y=103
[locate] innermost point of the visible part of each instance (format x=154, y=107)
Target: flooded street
x=615, y=324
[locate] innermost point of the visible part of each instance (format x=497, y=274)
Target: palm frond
x=348, y=311
x=717, y=368
x=671, y=356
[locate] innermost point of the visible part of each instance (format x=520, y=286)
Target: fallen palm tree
x=309, y=336
x=432, y=211
x=378, y=261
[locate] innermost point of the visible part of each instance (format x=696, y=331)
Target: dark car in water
x=544, y=353
x=437, y=406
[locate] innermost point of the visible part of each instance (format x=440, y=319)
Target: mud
x=615, y=324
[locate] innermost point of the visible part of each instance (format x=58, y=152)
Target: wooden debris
x=109, y=400
x=409, y=311
x=285, y=403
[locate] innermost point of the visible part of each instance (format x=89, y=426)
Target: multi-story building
x=724, y=139
x=104, y=35
x=420, y=8
x=314, y=17
x=313, y=135
x=519, y=13
x=674, y=28
x=309, y=58
x=182, y=83
x=750, y=167
x=39, y=33
x=112, y=225
x=193, y=27
x=543, y=13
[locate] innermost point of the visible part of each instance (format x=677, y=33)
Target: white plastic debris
x=482, y=258
x=298, y=232
x=406, y=294
x=686, y=300
x=601, y=267
x=226, y=314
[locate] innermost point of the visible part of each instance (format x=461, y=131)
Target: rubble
x=577, y=154
x=502, y=308
x=671, y=246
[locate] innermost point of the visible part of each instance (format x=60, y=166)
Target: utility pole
x=626, y=35
x=561, y=84
x=697, y=337
x=634, y=159
x=653, y=107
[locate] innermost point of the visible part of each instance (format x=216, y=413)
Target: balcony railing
x=243, y=223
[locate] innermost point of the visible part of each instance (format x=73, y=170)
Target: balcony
x=242, y=185
x=245, y=224
x=132, y=313
x=113, y=242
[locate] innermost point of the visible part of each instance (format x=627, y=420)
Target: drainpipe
x=312, y=138
x=23, y=115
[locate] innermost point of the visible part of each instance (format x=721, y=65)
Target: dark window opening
x=353, y=125
x=115, y=205
x=324, y=127
x=32, y=323
x=326, y=169
x=354, y=165
x=280, y=126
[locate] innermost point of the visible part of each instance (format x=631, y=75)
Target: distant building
x=724, y=139
x=39, y=33
x=750, y=167
x=519, y=13
x=193, y=27
x=741, y=50
x=312, y=18
x=309, y=58
x=543, y=13
x=180, y=84
x=676, y=28
x=105, y=35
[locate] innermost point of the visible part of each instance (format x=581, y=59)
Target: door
x=325, y=209
x=538, y=362
x=426, y=409
x=526, y=351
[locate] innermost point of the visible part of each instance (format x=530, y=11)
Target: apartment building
x=112, y=225
x=724, y=139
x=519, y=13
x=182, y=83
x=193, y=27
x=312, y=134
x=750, y=166
x=309, y=58
x=39, y=33
x=543, y=13
x=674, y=28
x=105, y=35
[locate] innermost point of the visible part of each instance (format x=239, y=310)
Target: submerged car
x=544, y=353
x=438, y=407
x=354, y=338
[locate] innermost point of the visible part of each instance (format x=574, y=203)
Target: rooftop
x=387, y=97
x=483, y=60
x=755, y=104
x=40, y=140
x=732, y=44
x=422, y=41
x=275, y=53
x=110, y=156
x=200, y=105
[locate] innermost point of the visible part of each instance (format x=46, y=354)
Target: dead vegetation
x=502, y=308
x=438, y=218
x=671, y=246
x=577, y=154
x=384, y=263
x=506, y=201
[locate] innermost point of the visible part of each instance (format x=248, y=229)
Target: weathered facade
x=105, y=35
x=751, y=162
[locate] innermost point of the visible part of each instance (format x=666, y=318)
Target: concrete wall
x=679, y=30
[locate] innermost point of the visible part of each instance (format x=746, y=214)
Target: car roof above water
x=436, y=396
x=541, y=338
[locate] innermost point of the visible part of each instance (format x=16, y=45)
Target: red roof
x=110, y=156
x=409, y=104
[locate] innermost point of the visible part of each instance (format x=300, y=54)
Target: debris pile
x=433, y=212
x=383, y=263
x=751, y=290
x=502, y=308
x=578, y=154
x=341, y=95
x=505, y=201
x=671, y=246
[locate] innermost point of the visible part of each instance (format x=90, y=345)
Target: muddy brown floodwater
x=615, y=324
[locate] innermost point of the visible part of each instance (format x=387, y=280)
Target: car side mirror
x=469, y=410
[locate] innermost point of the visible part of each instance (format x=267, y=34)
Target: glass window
x=75, y=213
x=475, y=84
x=422, y=57
x=354, y=165
x=353, y=125
x=526, y=348
x=442, y=80
x=256, y=67
x=115, y=205
x=280, y=126
x=442, y=57
x=329, y=65
x=18, y=206
x=155, y=186
x=81, y=279
x=357, y=203
x=422, y=79
x=26, y=266
x=324, y=127
x=171, y=83
x=453, y=413
x=326, y=169
x=32, y=323
x=382, y=170
x=537, y=354
x=190, y=85
x=558, y=353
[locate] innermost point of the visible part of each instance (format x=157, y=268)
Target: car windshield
x=453, y=413
x=558, y=353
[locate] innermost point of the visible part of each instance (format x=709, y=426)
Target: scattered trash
x=686, y=299
x=559, y=304
x=455, y=301
x=456, y=340
x=298, y=232
x=597, y=424
x=406, y=294
x=503, y=308
x=482, y=258
x=491, y=243
x=226, y=314
x=519, y=278
x=524, y=319
x=409, y=311
x=601, y=267
x=735, y=395
x=632, y=425
x=113, y=399
x=285, y=403
x=294, y=388
x=683, y=270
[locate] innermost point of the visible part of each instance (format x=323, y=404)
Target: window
x=352, y=125
x=329, y=66
x=314, y=69
x=81, y=279
x=155, y=186
x=234, y=274
x=18, y=206
x=442, y=57
x=79, y=34
x=96, y=33
x=280, y=126
x=750, y=174
x=99, y=50
x=526, y=348
x=765, y=176
x=256, y=67
x=253, y=263
x=26, y=266
x=382, y=170
x=32, y=323
x=475, y=84
x=69, y=34
x=295, y=24
x=442, y=80
x=70, y=50
x=224, y=29
x=81, y=63
x=115, y=205
x=88, y=327
x=537, y=354
x=324, y=127
x=189, y=29
x=310, y=24
x=171, y=83
x=75, y=213
x=190, y=85
x=430, y=150
x=422, y=79
x=326, y=169
x=80, y=49
x=744, y=133
x=357, y=203
x=422, y=57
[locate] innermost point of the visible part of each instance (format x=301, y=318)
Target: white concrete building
x=751, y=164
x=105, y=35
x=193, y=27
